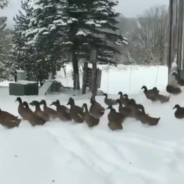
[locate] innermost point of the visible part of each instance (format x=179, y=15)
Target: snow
x=24, y=82
x=70, y=153
x=81, y=33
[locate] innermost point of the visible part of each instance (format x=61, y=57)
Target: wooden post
x=94, y=68
x=84, y=77
x=171, y=34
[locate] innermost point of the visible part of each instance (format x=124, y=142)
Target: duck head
x=92, y=100
x=176, y=107
x=34, y=103
x=126, y=96
x=109, y=107
x=105, y=94
x=42, y=102
x=71, y=101
x=18, y=100
x=120, y=93
x=55, y=103
x=25, y=104
x=85, y=107
x=145, y=88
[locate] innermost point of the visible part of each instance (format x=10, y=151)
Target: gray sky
x=129, y=8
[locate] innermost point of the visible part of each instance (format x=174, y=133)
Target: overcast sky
x=129, y=8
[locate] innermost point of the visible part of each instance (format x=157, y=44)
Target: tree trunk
x=94, y=73
x=84, y=77
x=76, y=84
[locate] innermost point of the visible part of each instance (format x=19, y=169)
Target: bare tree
x=150, y=37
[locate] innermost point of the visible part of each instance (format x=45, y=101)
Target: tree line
x=49, y=34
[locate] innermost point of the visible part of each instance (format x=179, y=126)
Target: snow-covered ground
x=74, y=154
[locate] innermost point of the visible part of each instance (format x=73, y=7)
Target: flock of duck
x=128, y=108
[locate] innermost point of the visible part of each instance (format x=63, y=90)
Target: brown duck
x=76, y=112
x=62, y=113
x=151, y=94
x=131, y=103
x=179, y=80
x=31, y=117
x=128, y=101
x=115, y=119
x=51, y=112
x=21, y=109
x=38, y=110
x=8, y=120
x=125, y=111
x=109, y=101
x=88, y=118
x=25, y=104
x=96, y=108
x=173, y=90
x=162, y=98
x=61, y=107
x=146, y=119
x=121, y=98
x=179, y=113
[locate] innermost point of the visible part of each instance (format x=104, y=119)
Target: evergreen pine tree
x=74, y=27
x=3, y=3
x=24, y=55
x=5, y=47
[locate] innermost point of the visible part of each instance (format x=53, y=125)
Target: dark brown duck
x=179, y=113
x=151, y=93
x=115, y=119
x=76, y=112
x=90, y=120
x=96, y=109
x=62, y=113
x=8, y=120
x=109, y=101
x=51, y=112
x=31, y=117
x=38, y=110
x=179, y=80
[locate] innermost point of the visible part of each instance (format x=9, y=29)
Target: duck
x=96, y=109
x=90, y=120
x=121, y=98
x=179, y=113
x=125, y=111
x=179, y=80
x=51, y=112
x=146, y=119
x=151, y=94
x=21, y=109
x=109, y=101
x=162, y=98
x=131, y=103
x=9, y=120
x=152, y=121
x=62, y=113
x=128, y=101
x=38, y=110
x=115, y=119
x=60, y=107
x=31, y=117
x=76, y=112
x=173, y=90
x=26, y=105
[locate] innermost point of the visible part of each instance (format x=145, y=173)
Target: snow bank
x=70, y=153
